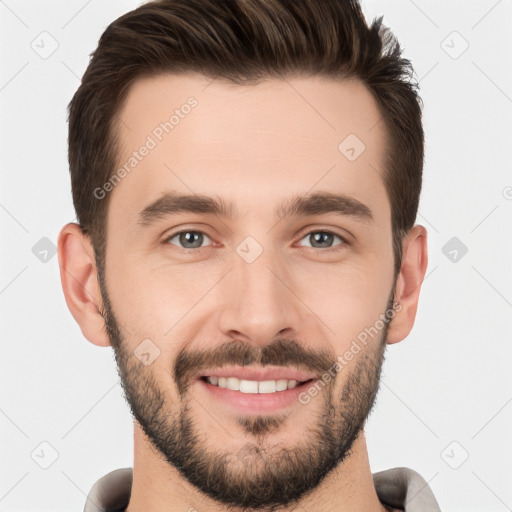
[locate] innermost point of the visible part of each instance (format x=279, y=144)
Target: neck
x=157, y=484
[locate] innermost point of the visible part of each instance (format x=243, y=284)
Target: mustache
x=281, y=352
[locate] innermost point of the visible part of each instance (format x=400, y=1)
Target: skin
x=255, y=146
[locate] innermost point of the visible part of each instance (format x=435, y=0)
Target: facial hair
x=251, y=478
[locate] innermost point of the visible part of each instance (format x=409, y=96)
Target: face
x=274, y=284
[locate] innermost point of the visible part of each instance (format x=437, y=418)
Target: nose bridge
x=261, y=303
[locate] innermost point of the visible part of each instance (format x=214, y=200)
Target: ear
x=79, y=278
x=409, y=281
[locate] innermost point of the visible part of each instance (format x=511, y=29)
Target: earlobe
x=79, y=279
x=409, y=281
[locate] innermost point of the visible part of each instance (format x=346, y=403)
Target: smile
x=252, y=386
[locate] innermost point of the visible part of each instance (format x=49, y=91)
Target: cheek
x=150, y=301
x=347, y=299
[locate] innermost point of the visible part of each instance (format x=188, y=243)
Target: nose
x=258, y=301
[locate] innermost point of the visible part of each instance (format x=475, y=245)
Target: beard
x=257, y=476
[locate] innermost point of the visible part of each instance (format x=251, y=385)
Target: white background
x=446, y=391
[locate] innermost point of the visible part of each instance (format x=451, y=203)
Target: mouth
x=253, y=386
x=253, y=396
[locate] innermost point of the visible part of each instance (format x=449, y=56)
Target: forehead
x=193, y=134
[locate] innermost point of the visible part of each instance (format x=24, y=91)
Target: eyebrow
x=316, y=203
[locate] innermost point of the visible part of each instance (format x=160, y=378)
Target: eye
x=323, y=239
x=188, y=239
x=320, y=239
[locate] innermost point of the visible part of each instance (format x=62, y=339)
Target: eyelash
x=328, y=249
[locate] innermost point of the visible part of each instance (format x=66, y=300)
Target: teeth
x=281, y=385
x=252, y=386
x=233, y=383
x=247, y=386
x=267, y=386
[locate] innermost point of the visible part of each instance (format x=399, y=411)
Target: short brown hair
x=243, y=41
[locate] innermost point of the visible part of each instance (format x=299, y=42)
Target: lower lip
x=256, y=403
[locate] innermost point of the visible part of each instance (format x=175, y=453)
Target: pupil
x=191, y=237
x=318, y=237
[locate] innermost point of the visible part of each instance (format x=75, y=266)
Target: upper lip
x=260, y=374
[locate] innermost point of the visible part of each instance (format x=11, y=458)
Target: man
x=246, y=176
